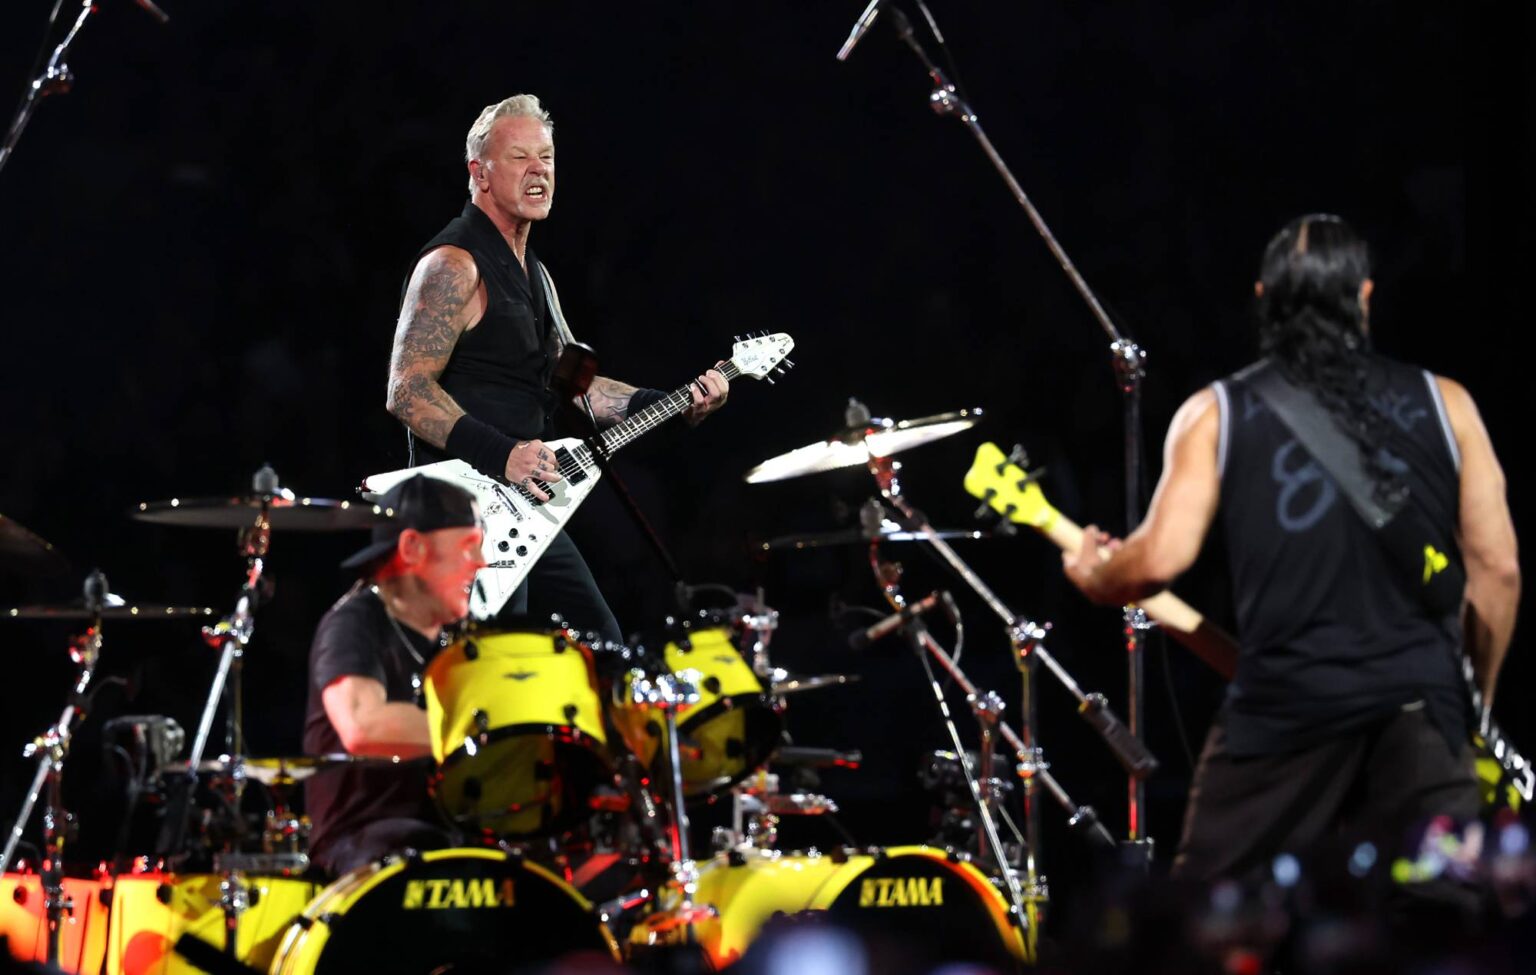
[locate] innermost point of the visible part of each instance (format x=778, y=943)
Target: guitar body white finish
x=518, y=527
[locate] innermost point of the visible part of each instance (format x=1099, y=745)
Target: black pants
x=560, y=584
x=1374, y=783
x=367, y=843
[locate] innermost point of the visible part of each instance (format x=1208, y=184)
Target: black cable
x=949, y=58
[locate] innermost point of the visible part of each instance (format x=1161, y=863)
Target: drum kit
x=566, y=765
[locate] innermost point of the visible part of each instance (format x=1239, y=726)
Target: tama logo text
x=902, y=892
x=446, y=893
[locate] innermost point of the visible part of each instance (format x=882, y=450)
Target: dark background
x=204, y=244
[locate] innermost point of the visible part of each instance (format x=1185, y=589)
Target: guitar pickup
x=576, y=472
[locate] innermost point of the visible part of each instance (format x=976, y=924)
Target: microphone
x=860, y=639
x=860, y=28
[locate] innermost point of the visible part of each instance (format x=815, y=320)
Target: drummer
x=365, y=670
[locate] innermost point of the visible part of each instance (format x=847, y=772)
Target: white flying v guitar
x=518, y=526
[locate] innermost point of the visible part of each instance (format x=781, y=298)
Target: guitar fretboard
x=648, y=419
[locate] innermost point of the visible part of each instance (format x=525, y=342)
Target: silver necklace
x=405, y=641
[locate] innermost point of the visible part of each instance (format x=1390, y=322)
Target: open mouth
x=536, y=193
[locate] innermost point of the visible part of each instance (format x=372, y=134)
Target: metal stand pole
x=51, y=749
x=1129, y=360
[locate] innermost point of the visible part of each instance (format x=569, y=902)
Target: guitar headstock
x=1007, y=489
x=758, y=355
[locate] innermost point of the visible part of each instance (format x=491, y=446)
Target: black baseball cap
x=420, y=502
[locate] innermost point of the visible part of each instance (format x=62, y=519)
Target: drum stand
x=1028, y=641
x=231, y=635
x=50, y=750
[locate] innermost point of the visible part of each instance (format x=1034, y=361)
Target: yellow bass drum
x=466, y=910
x=516, y=730
x=913, y=899
x=150, y=911
x=727, y=735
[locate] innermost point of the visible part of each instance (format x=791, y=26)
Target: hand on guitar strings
x=708, y=393
x=531, y=464
x=1082, y=566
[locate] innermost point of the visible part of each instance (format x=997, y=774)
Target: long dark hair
x=1312, y=327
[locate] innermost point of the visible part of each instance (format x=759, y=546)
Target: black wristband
x=641, y=398
x=480, y=445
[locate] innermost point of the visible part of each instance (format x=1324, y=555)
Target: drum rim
x=567, y=735
x=370, y=875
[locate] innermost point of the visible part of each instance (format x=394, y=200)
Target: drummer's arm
x=370, y=724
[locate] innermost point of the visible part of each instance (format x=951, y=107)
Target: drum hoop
x=991, y=898
x=355, y=884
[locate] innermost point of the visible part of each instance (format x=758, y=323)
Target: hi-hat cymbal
x=282, y=770
x=791, y=684
x=113, y=607
x=854, y=446
x=284, y=512
x=23, y=553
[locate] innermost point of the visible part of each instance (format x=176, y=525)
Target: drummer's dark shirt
x=356, y=638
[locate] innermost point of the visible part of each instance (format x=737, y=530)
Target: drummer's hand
x=708, y=393
x=1083, y=565
x=532, y=464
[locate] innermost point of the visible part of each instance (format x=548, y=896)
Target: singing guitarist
x=1347, y=713
x=478, y=337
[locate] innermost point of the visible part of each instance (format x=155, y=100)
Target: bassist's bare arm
x=1486, y=534
x=440, y=303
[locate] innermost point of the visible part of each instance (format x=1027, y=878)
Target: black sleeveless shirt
x=1333, y=636
x=499, y=371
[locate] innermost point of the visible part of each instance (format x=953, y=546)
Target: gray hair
x=518, y=106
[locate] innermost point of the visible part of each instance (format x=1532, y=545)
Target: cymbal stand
x=1129, y=361
x=668, y=693
x=1028, y=640
x=231, y=635
x=50, y=750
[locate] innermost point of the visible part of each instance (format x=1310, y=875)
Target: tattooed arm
x=440, y=303
x=610, y=400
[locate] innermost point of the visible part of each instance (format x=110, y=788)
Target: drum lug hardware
x=328, y=919
x=482, y=721
x=471, y=652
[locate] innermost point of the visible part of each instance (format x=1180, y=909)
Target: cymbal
x=889, y=532
x=114, y=607
x=283, y=770
x=284, y=511
x=23, y=553
x=790, y=684
x=854, y=446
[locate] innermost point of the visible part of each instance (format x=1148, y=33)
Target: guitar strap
x=552, y=302
x=567, y=339
x=1415, y=549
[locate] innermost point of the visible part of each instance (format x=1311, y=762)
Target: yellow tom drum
x=516, y=730
x=914, y=899
x=727, y=735
x=150, y=911
x=446, y=910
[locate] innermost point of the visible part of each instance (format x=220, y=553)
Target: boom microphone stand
x=56, y=78
x=1128, y=358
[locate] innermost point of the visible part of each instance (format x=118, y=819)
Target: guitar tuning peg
x=1008, y=512
x=1007, y=528
x=770, y=380
x=788, y=364
x=985, y=508
x=1018, y=456
x=736, y=338
x=1031, y=476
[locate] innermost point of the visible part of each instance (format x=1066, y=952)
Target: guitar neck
x=653, y=416
x=1181, y=621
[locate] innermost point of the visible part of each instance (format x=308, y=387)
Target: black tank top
x=1333, y=636
x=499, y=371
